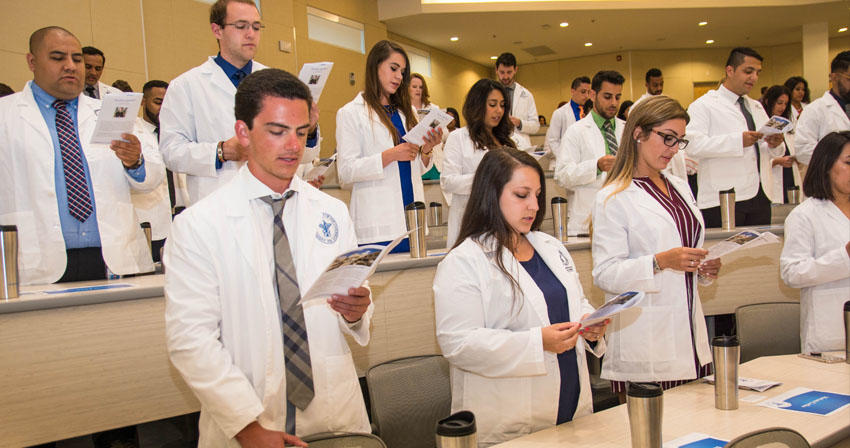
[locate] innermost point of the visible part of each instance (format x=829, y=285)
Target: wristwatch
x=219, y=152
x=137, y=164
x=656, y=268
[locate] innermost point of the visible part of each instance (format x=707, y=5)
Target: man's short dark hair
x=122, y=85
x=614, y=77
x=737, y=55
x=268, y=82
x=506, y=59
x=38, y=36
x=218, y=10
x=579, y=81
x=817, y=184
x=152, y=84
x=653, y=73
x=840, y=63
x=5, y=90
x=92, y=51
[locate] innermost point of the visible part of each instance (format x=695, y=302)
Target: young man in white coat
x=588, y=149
x=568, y=114
x=725, y=141
x=235, y=321
x=523, y=111
x=95, y=61
x=654, y=85
x=197, y=116
x=70, y=199
x=829, y=113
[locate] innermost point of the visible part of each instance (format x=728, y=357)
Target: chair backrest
x=784, y=436
x=408, y=396
x=344, y=440
x=766, y=329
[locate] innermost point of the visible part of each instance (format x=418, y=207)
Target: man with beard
x=95, y=61
x=829, y=113
x=567, y=114
x=588, y=149
x=520, y=102
x=654, y=85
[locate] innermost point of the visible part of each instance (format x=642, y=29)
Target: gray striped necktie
x=296, y=350
x=610, y=137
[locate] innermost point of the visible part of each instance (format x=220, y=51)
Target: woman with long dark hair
x=816, y=254
x=487, y=127
x=507, y=301
x=784, y=171
x=384, y=171
x=800, y=96
x=647, y=236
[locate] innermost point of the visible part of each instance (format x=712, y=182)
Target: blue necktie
x=79, y=202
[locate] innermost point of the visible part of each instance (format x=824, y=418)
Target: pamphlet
x=695, y=440
x=747, y=239
x=310, y=154
x=117, y=115
x=349, y=270
x=613, y=307
x=435, y=119
x=776, y=125
x=811, y=401
x=315, y=75
x=320, y=167
x=745, y=383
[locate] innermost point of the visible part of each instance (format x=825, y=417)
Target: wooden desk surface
x=690, y=408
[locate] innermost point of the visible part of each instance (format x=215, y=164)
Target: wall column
x=816, y=57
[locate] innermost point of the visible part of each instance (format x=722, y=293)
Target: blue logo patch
x=567, y=265
x=328, y=231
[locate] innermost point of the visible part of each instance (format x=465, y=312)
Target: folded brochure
x=613, y=307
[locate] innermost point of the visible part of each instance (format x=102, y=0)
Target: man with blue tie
x=70, y=199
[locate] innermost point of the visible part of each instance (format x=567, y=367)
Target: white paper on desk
x=315, y=75
x=320, y=167
x=776, y=125
x=117, y=115
x=435, y=119
x=747, y=239
x=695, y=440
x=745, y=383
x=613, y=307
x=310, y=154
x=349, y=269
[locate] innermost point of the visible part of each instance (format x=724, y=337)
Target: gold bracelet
x=219, y=150
x=425, y=153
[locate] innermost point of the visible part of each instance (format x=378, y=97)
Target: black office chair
x=784, y=436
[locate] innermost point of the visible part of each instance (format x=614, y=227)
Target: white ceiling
x=613, y=26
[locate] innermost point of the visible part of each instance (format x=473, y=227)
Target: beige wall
x=550, y=81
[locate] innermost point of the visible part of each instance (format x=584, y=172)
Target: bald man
x=69, y=198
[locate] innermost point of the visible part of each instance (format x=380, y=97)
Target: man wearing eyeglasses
x=196, y=121
x=829, y=113
x=725, y=140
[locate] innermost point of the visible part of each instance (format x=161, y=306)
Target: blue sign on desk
x=708, y=442
x=89, y=288
x=811, y=401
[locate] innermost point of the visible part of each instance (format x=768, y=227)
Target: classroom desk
x=690, y=408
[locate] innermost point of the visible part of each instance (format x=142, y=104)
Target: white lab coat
x=105, y=89
x=196, y=114
x=222, y=316
x=777, y=173
x=28, y=191
x=644, y=97
x=575, y=169
x=815, y=260
x=153, y=206
x=461, y=161
x=499, y=369
x=822, y=116
x=523, y=107
x=716, y=135
x=376, y=203
x=562, y=118
x=651, y=342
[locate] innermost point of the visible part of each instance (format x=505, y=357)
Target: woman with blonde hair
x=420, y=99
x=647, y=236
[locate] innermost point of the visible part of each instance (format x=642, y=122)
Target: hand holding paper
x=435, y=119
x=315, y=75
x=116, y=116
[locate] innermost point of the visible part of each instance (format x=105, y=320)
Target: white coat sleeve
x=178, y=140
x=615, y=270
x=192, y=325
x=154, y=168
x=704, y=145
x=530, y=122
x=806, y=135
x=355, y=163
x=574, y=165
x=799, y=266
x=461, y=332
x=358, y=331
x=452, y=178
x=555, y=131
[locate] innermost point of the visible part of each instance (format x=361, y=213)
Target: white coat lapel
x=562, y=266
x=217, y=77
x=32, y=115
x=532, y=294
x=241, y=224
x=87, y=111
x=647, y=202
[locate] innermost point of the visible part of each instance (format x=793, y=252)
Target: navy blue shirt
x=576, y=109
x=559, y=311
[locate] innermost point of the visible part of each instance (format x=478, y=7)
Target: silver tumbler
x=9, y=272
x=146, y=227
x=793, y=194
x=559, y=218
x=414, y=214
x=727, y=209
x=645, y=405
x=457, y=431
x=847, y=332
x=726, y=352
x=435, y=214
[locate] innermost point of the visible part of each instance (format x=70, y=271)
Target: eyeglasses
x=243, y=25
x=843, y=75
x=671, y=140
